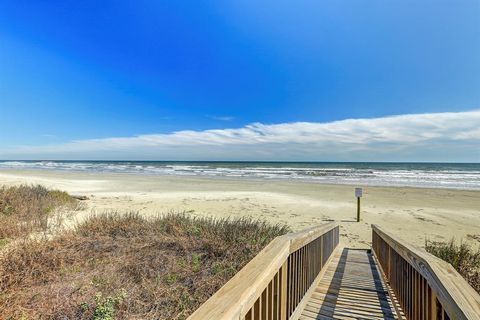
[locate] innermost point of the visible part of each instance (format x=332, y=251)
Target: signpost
x=358, y=194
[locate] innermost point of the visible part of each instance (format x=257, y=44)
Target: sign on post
x=358, y=194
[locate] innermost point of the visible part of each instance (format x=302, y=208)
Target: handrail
x=274, y=282
x=426, y=287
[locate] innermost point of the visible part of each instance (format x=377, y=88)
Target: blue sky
x=76, y=73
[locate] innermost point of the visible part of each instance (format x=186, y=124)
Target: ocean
x=434, y=175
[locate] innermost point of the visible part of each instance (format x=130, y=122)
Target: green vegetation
x=105, y=308
x=25, y=209
x=125, y=266
x=461, y=256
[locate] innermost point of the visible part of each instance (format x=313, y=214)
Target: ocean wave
x=459, y=176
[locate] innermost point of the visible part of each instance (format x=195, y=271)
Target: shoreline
x=413, y=213
x=82, y=174
x=461, y=176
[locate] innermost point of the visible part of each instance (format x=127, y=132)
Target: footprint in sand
x=474, y=237
x=352, y=237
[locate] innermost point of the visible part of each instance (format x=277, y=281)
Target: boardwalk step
x=351, y=288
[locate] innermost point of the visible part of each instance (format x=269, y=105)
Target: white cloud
x=450, y=136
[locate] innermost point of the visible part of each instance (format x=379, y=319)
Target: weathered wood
x=292, y=261
x=450, y=294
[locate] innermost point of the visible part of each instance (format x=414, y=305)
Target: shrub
x=461, y=256
x=25, y=209
x=126, y=266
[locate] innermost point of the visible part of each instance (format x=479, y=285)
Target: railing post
x=283, y=295
x=389, y=264
x=321, y=252
x=433, y=305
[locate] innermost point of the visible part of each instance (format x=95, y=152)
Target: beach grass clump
x=462, y=256
x=26, y=209
x=126, y=266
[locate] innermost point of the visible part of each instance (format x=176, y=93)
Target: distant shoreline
x=128, y=175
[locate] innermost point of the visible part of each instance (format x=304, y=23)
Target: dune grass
x=124, y=266
x=464, y=258
x=26, y=209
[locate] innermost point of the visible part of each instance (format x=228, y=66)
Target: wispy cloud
x=450, y=136
x=50, y=136
x=222, y=118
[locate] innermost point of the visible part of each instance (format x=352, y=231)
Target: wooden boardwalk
x=351, y=288
x=307, y=275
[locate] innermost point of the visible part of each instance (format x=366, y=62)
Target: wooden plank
x=359, y=295
x=354, y=300
x=275, y=299
x=298, y=312
x=363, y=294
x=336, y=312
x=353, y=304
x=283, y=289
x=270, y=301
x=350, y=309
x=314, y=317
x=300, y=239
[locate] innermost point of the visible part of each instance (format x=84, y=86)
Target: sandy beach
x=415, y=214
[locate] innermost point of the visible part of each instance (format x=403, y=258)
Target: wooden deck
x=351, y=288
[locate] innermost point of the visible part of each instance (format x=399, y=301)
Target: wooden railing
x=272, y=285
x=425, y=286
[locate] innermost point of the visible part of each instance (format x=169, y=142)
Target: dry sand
x=413, y=214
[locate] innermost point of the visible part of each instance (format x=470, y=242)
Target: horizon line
x=239, y=161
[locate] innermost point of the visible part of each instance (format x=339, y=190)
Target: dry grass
x=26, y=209
x=125, y=266
x=461, y=256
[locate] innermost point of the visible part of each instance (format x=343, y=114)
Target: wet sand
x=414, y=214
